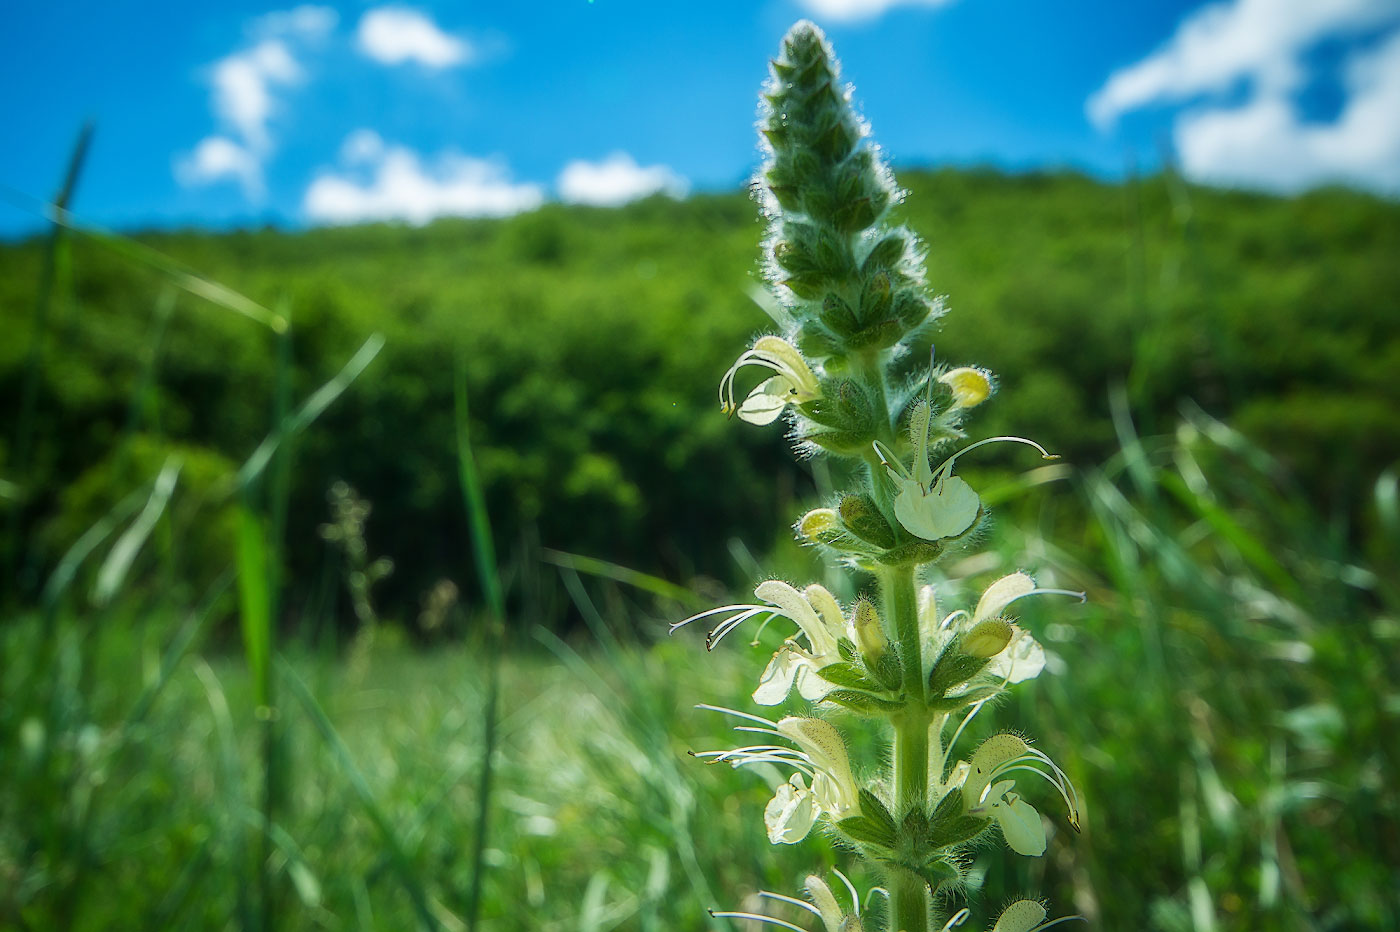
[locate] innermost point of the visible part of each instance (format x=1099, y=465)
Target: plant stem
x=908, y=892
x=908, y=901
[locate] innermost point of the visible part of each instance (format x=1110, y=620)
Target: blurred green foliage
x=593, y=340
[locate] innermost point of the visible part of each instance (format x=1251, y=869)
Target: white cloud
x=1265, y=142
x=394, y=35
x=401, y=187
x=217, y=158
x=1259, y=49
x=616, y=180
x=306, y=21
x=243, y=97
x=1221, y=44
x=243, y=88
x=849, y=11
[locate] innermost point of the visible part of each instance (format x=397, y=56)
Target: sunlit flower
x=1022, y=658
x=793, y=382
x=932, y=503
x=822, y=784
x=824, y=906
x=819, y=620
x=986, y=796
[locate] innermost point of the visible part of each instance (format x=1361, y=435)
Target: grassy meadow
x=258, y=671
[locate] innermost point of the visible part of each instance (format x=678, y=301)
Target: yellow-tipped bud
x=970, y=386
x=987, y=638
x=869, y=632
x=819, y=523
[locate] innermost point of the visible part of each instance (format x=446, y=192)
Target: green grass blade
x=255, y=601
x=118, y=563
x=488, y=573
x=310, y=410
x=662, y=588
x=402, y=867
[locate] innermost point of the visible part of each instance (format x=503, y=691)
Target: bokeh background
x=301, y=306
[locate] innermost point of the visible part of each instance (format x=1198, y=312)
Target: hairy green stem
x=908, y=901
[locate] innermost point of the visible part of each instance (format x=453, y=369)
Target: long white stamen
x=1055, y=922
x=713, y=611
x=851, y=888
x=948, y=463
x=977, y=707
x=791, y=899
x=871, y=893
x=719, y=631
x=957, y=919
x=735, y=712
x=755, y=917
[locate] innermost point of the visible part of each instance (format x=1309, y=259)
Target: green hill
x=594, y=340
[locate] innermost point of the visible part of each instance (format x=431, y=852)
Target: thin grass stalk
x=487, y=572
x=34, y=364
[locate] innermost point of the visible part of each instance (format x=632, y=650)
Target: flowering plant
x=852, y=299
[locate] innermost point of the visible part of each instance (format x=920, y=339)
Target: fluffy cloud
x=1259, y=48
x=217, y=158
x=616, y=180
x=401, y=187
x=243, y=84
x=1265, y=142
x=847, y=11
x=394, y=35
x=1220, y=44
x=243, y=97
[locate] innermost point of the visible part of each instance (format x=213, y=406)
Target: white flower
x=819, y=620
x=822, y=785
x=818, y=615
x=793, y=383
x=987, y=797
x=1022, y=658
x=934, y=504
x=824, y=906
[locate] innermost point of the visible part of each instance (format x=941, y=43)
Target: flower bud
x=987, y=638
x=869, y=632
x=819, y=522
x=863, y=519
x=970, y=386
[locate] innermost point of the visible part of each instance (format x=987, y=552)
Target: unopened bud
x=987, y=638
x=818, y=524
x=970, y=386
x=869, y=632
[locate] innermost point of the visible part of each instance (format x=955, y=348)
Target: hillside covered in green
x=593, y=341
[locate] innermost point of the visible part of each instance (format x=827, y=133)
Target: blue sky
x=243, y=113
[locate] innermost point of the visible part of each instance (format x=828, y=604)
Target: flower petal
x=1022, y=660
x=778, y=676
x=766, y=402
x=948, y=509
x=1002, y=593
x=790, y=814
x=1021, y=824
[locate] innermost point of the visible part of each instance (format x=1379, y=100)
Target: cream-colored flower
x=934, y=504
x=823, y=905
x=793, y=381
x=822, y=784
x=986, y=796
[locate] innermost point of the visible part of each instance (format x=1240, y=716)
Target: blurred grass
x=1233, y=739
